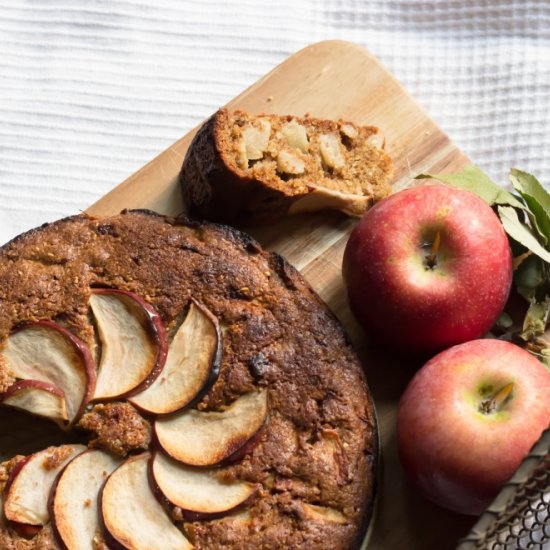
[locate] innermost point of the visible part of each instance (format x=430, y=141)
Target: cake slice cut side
x=192, y=365
x=255, y=169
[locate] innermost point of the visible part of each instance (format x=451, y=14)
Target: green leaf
x=504, y=321
x=543, y=356
x=527, y=183
x=536, y=318
x=536, y=197
x=529, y=276
x=474, y=179
x=521, y=232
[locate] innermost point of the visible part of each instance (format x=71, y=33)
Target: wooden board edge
x=170, y=196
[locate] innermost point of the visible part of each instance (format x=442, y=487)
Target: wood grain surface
x=332, y=79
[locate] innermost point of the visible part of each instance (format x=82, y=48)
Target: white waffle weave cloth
x=90, y=91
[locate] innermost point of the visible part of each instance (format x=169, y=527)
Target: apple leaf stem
x=496, y=402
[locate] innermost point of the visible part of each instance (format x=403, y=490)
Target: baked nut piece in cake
x=248, y=169
x=263, y=436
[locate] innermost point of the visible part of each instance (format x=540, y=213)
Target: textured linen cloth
x=90, y=91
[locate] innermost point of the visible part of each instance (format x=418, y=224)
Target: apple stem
x=497, y=400
x=431, y=259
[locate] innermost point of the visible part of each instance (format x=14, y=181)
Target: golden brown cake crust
x=117, y=428
x=44, y=540
x=7, y=467
x=320, y=444
x=6, y=377
x=55, y=457
x=216, y=187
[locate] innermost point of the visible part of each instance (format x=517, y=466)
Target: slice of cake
x=248, y=169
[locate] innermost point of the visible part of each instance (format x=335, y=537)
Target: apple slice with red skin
x=192, y=365
x=28, y=487
x=47, y=352
x=133, y=342
x=37, y=397
x=201, y=438
x=132, y=517
x=198, y=492
x=25, y=530
x=74, y=499
x=22, y=529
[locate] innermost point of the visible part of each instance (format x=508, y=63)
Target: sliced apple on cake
x=28, y=487
x=132, y=517
x=192, y=365
x=200, y=438
x=74, y=499
x=37, y=397
x=199, y=493
x=133, y=342
x=323, y=514
x=45, y=352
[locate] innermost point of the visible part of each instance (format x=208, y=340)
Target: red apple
x=428, y=268
x=74, y=498
x=468, y=418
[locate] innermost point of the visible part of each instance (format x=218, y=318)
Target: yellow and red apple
x=468, y=418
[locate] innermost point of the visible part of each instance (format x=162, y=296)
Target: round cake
x=210, y=398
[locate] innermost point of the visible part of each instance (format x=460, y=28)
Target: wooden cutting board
x=336, y=79
x=330, y=79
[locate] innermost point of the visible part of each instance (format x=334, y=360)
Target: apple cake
x=210, y=399
x=245, y=169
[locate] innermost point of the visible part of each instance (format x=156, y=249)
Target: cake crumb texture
x=248, y=169
x=116, y=428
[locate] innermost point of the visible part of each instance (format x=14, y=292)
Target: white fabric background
x=91, y=90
